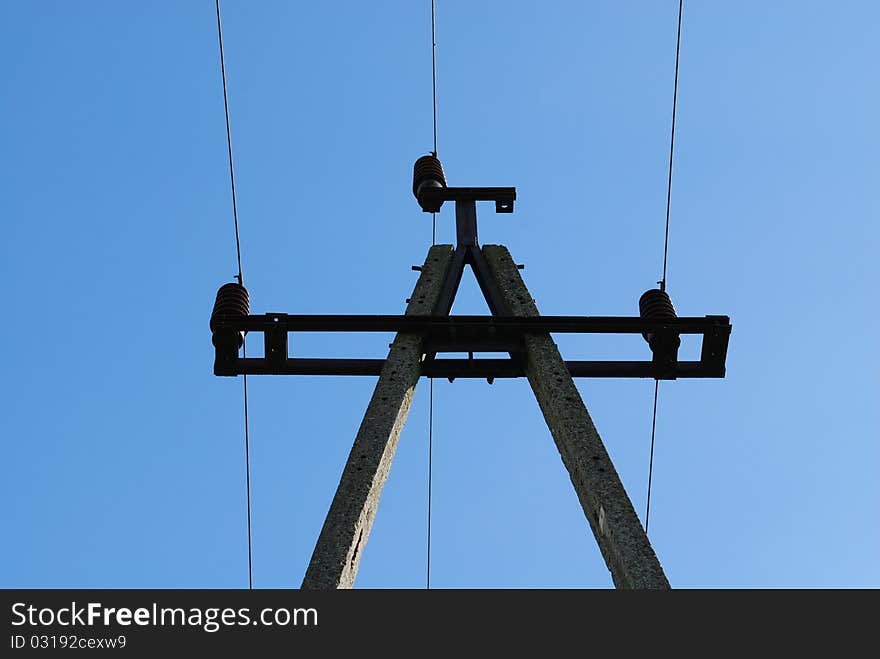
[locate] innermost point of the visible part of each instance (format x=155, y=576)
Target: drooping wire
x=433, y=242
x=665, y=246
x=240, y=277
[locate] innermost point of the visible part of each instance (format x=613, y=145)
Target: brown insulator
x=427, y=172
x=232, y=300
x=655, y=304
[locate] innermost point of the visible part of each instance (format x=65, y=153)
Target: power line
x=651, y=466
x=434, y=96
x=430, y=473
x=672, y=145
x=433, y=242
x=240, y=277
x=434, y=68
x=247, y=462
x=665, y=245
x=229, y=142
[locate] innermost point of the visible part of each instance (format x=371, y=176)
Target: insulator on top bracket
x=430, y=189
x=427, y=173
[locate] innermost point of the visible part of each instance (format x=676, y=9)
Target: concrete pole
x=622, y=540
x=341, y=543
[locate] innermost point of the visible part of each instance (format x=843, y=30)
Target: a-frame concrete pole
x=622, y=540
x=341, y=543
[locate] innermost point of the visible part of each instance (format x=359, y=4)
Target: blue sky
x=123, y=454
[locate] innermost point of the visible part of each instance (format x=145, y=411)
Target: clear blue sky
x=123, y=455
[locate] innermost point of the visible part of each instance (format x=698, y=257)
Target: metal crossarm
x=470, y=334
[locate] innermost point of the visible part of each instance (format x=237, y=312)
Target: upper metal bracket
x=431, y=198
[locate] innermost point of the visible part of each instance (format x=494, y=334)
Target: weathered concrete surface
x=622, y=540
x=341, y=543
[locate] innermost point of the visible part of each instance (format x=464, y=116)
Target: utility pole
x=618, y=531
x=338, y=553
x=516, y=328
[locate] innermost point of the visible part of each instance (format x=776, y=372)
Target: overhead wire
x=430, y=475
x=671, y=145
x=433, y=242
x=665, y=248
x=651, y=464
x=240, y=277
x=434, y=67
x=434, y=99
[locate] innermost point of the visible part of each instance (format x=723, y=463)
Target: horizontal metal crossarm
x=470, y=334
x=432, y=324
x=470, y=368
